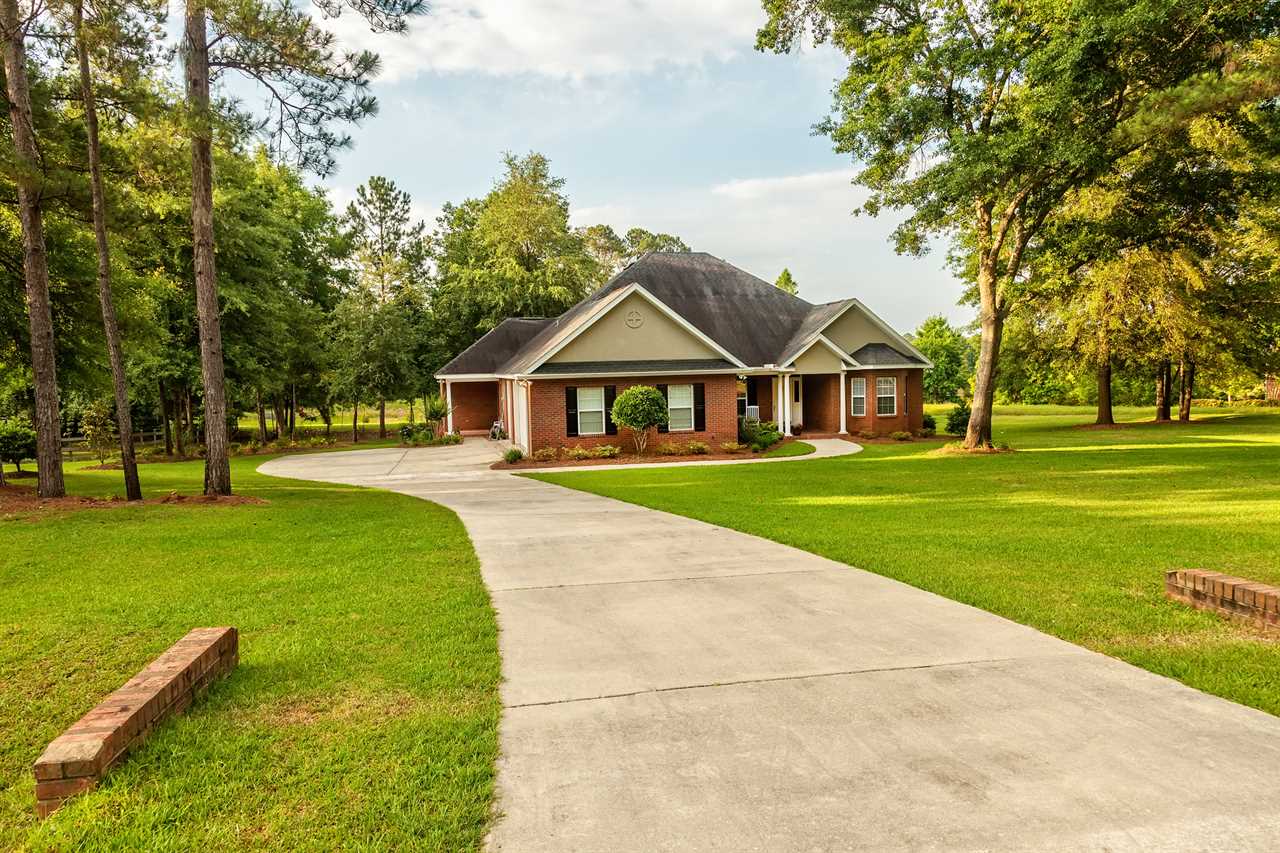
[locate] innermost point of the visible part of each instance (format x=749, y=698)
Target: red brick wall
x=78, y=758
x=1230, y=596
x=910, y=416
x=821, y=402
x=475, y=405
x=547, y=414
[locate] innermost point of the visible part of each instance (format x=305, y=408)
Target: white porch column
x=844, y=402
x=448, y=400
x=786, y=404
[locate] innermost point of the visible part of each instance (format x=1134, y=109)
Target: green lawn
x=790, y=448
x=1070, y=534
x=363, y=713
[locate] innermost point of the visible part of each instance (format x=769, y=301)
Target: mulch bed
x=630, y=459
x=22, y=501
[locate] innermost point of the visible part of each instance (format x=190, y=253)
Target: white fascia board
x=619, y=297
x=542, y=377
x=466, y=377
x=823, y=339
x=889, y=330
x=864, y=367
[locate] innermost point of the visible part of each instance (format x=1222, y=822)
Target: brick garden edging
x=80, y=756
x=1238, y=598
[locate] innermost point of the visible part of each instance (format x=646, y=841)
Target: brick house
x=718, y=343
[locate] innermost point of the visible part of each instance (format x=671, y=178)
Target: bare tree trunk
x=355, y=422
x=111, y=328
x=179, y=428
x=293, y=409
x=262, y=417
x=984, y=389
x=35, y=263
x=164, y=419
x=1164, y=391
x=217, y=466
x=1106, y=417
x=382, y=419
x=1187, y=375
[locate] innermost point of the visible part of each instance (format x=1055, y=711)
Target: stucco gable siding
x=612, y=338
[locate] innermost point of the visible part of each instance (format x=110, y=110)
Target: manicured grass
x=790, y=448
x=363, y=713
x=1071, y=534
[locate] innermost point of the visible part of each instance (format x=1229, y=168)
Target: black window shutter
x=752, y=399
x=610, y=394
x=699, y=406
x=662, y=389
x=570, y=410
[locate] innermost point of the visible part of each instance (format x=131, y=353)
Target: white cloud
x=803, y=222
x=559, y=38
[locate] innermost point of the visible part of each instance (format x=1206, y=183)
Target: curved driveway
x=673, y=685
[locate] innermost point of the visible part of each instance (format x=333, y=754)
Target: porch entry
x=797, y=400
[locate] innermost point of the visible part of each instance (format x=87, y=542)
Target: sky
x=658, y=114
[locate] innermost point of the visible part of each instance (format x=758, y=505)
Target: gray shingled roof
x=747, y=316
x=496, y=347
x=816, y=320
x=872, y=354
x=553, y=368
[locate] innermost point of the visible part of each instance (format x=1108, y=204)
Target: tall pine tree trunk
x=111, y=329
x=382, y=419
x=1164, y=391
x=1187, y=376
x=35, y=264
x=1106, y=417
x=164, y=419
x=293, y=409
x=355, y=422
x=217, y=466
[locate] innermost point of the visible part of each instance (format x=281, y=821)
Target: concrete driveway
x=672, y=685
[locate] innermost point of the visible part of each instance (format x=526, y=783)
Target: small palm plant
x=435, y=410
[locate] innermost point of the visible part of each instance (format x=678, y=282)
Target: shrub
x=640, y=408
x=577, y=453
x=17, y=442
x=958, y=419
x=513, y=455
x=1002, y=446
x=607, y=451
x=759, y=435
x=545, y=454
x=868, y=434
x=697, y=448
x=447, y=439
x=668, y=448
x=732, y=447
x=99, y=430
x=928, y=432
x=929, y=422
x=900, y=435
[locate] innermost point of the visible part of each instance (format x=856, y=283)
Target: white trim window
x=886, y=396
x=858, y=396
x=591, y=411
x=679, y=408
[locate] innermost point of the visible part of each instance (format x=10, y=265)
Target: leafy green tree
x=509, y=254
x=389, y=245
x=981, y=118
x=948, y=380
x=17, y=442
x=98, y=431
x=786, y=283
x=640, y=408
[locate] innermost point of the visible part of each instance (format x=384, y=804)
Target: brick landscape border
x=1238, y=598
x=78, y=758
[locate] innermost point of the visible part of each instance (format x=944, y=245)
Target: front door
x=797, y=401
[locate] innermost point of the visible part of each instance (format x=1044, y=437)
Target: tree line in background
x=1106, y=174
x=189, y=274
